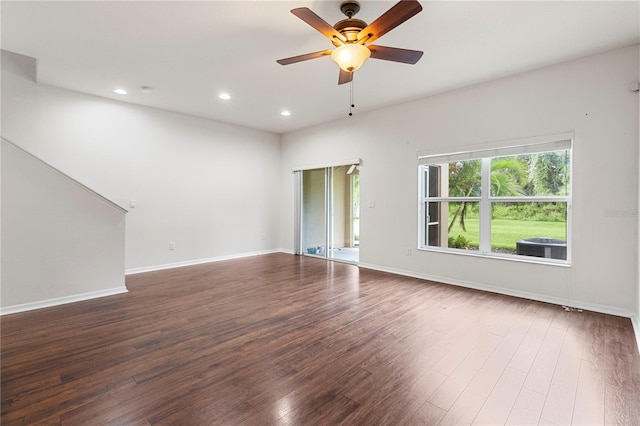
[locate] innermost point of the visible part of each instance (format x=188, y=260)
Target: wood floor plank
x=282, y=339
x=594, y=338
x=621, y=357
x=457, y=353
x=559, y=404
x=516, y=334
x=621, y=406
x=471, y=400
x=528, y=349
x=427, y=414
x=497, y=407
x=541, y=372
x=456, y=383
x=414, y=403
x=589, y=402
x=527, y=408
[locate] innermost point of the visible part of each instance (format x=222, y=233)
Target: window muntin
x=526, y=197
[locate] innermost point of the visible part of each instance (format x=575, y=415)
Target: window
x=507, y=202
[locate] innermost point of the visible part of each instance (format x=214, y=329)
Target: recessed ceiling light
x=224, y=96
x=285, y=113
x=120, y=91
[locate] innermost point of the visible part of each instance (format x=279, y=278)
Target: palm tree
x=464, y=181
x=550, y=172
x=507, y=174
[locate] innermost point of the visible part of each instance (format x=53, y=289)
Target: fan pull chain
x=351, y=104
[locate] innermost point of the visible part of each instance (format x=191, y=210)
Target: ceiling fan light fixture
x=350, y=57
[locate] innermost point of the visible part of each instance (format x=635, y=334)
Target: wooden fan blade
x=393, y=17
x=395, y=54
x=308, y=16
x=345, y=77
x=305, y=57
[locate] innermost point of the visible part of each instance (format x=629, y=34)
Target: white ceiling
x=188, y=52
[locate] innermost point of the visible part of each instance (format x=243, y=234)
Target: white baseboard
x=198, y=261
x=61, y=300
x=508, y=292
x=118, y=290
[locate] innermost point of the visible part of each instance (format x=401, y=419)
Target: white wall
x=589, y=97
x=636, y=319
x=209, y=187
x=60, y=241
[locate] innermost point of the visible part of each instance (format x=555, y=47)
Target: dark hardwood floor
x=280, y=339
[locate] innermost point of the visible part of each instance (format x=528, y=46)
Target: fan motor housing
x=350, y=28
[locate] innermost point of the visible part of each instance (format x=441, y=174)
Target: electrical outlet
x=172, y=246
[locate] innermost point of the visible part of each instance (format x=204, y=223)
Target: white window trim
x=497, y=149
x=510, y=148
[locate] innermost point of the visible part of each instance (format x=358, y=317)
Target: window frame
x=486, y=200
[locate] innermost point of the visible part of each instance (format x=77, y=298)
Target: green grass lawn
x=505, y=232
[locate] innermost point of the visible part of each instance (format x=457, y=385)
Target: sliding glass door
x=329, y=212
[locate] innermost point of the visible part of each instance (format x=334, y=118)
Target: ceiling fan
x=352, y=36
